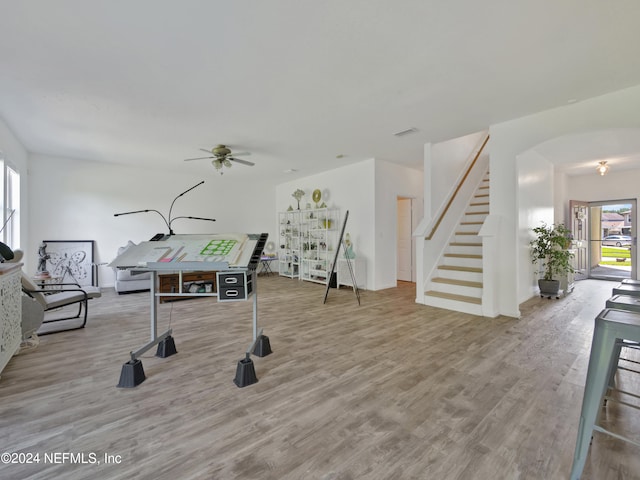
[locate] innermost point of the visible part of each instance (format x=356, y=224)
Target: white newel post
x=490, y=252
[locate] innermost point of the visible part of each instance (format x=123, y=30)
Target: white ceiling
x=296, y=82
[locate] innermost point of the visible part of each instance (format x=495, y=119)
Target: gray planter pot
x=549, y=287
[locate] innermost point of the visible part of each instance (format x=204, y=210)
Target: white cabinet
x=359, y=267
x=289, y=252
x=10, y=311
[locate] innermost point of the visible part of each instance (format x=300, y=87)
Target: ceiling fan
x=222, y=157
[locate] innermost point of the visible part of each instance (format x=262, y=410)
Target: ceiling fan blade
x=199, y=158
x=241, y=154
x=205, y=150
x=244, y=162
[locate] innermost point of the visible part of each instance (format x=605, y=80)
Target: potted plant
x=550, y=249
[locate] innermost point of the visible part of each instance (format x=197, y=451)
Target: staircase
x=457, y=281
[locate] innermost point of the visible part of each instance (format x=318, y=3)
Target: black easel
x=332, y=275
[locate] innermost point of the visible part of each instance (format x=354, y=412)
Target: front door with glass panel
x=612, y=240
x=579, y=226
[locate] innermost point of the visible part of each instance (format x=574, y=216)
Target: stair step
x=467, y=233
x=464, y=249
x=481, y=195
x=460, y=269
x=463, y=255
x=476, y=213
x=453, y=296
x=483, y=187
x=477, y=204
x=471, y=223
x=462, y=283
x=466, y=244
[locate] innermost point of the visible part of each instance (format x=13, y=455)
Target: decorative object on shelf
x=298, y=194
x=550, y=248
x=324, y=205
x=602, y=167
x=290, y=209
x=348, y=252
x=270, y=250
x=43, y=256
x=316, y=196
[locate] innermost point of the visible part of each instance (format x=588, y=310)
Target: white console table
x=10, y=311
x=359, y=266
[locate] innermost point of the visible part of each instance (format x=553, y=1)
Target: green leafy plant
x=549, y=247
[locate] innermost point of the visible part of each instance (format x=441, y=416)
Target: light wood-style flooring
x=387, y=390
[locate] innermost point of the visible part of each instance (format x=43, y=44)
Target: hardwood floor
x=386, y=390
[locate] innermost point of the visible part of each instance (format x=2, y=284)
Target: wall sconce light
x=602, y=167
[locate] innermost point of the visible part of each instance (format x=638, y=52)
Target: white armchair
x=57, y=296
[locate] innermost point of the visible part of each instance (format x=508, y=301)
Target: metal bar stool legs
x=610, y=327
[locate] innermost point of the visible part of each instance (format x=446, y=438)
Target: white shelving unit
x=307, y=243
x=319, y=239
x=289, y=251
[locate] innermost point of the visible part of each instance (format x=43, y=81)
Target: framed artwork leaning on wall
x=70, y=261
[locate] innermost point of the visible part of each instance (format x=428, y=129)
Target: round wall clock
x=316, y=196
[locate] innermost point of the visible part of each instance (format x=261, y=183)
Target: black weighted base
x=263, y=347
x=132, y=374
x=245, y=373
x=166, y=347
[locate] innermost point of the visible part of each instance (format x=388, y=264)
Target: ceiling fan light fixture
x=220, y=151
x=218, y=164
x=222, y=158
x=602, y=168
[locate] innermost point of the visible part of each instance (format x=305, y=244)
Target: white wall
x=447, y=164
x=369, y=190
x=348, y=188
x=509, y=139
x=535, y=205
x=12, y=151
x=391, y=182
x=560, y=204
x=76, y=200
x=615, y=185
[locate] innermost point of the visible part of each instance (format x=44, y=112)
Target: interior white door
x=404, y=230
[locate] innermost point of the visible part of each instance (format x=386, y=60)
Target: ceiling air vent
x=408, y=131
